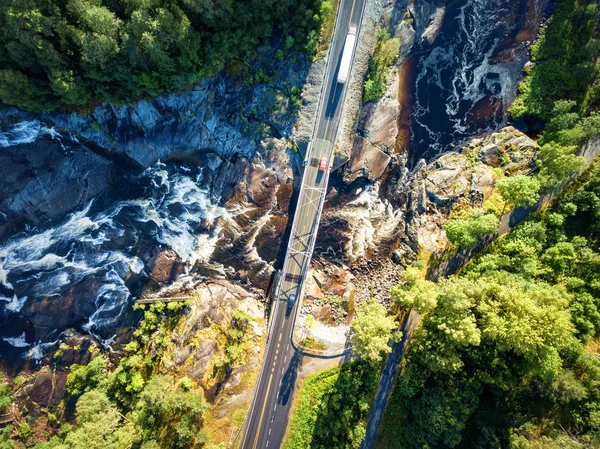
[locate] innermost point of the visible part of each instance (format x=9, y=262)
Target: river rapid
x=95, y=258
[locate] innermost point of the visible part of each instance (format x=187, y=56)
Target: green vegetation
x=132, y=406
x=83, y=378
x=503, y=357
x=371, y=331
x=466, y=232
x=76, y=52
x=5, y=394
x=327, y=12
x=565, y=63
x=416, y=293
x=333, y=407
x=385, y=54
x=500, y=361
x=518, y=190
x=562, y=88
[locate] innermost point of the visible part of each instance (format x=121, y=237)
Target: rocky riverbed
x=387, y=204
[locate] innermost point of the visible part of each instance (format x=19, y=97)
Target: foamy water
x=459, y=75
x=102, y=247
x=26, y=132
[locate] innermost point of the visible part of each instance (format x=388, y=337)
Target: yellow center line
x=262, y=413
x=352, y=10
x=334, y=92
x=280, y=335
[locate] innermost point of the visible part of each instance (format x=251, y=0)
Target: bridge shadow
x=289, y=380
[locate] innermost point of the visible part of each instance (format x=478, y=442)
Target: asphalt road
x=269, y=411
x=387, y=378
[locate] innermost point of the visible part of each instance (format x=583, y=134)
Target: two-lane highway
x=268, y=414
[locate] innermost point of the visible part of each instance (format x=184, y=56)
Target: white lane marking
x=275, y=408
x=269, y=431
x=288, y=347
x=281, y=370
x=285, y=359
x=267, y=445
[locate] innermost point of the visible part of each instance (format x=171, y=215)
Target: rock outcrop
x=43, y=181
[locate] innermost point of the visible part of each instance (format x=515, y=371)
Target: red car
x=323, y=164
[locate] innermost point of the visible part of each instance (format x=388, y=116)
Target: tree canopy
x=500, y=360
x=466, y=232
x=69, y=53
x=372, y=330
x=518, y=190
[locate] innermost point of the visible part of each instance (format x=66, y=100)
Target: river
x=93, y=262
x=465, y=82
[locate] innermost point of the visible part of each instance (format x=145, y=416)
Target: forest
x=71, y=53
x=506, y=356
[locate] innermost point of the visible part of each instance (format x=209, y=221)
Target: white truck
x=347, y=55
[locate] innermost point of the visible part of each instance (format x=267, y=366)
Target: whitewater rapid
x=101, y=251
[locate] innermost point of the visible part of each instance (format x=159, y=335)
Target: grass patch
x=312, y=343
x=333, y=407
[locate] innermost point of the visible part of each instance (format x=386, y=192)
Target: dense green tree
x=83, y=378
x=466, y=232
x=57, y=53
x=372, y=331
x=333, y=407
x=564, y=66
x=500, y=359
x=100, y=425
x=518, y=190
x=488, y=340
x=417, y=293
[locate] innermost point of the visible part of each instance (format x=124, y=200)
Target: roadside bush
x=466, y=232
x=385, y=54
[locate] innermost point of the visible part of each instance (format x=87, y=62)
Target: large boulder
x=446, y=179
x=507, y=144
x=367, y=161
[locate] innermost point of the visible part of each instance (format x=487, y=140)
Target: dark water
x=465, y=82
